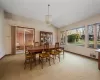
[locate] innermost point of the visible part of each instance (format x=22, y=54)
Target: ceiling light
x=48, y=18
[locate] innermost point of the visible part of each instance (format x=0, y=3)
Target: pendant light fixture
x=48, y=17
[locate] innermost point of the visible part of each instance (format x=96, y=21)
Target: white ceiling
x=63, y=12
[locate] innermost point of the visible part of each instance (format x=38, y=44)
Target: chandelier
x=48, y=17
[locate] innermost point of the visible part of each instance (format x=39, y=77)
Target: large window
x=91, y=36
x=98, y=36
x=76, y=36
x=79, y=36
x=62, y=37
x=94, y=36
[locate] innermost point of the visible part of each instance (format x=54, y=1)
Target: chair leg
x=30, y=61
x=49, y=62
x=59, y=57
x=42, y=63
x=46, y=59
x=54, y=59
x=25, y=64
x=39, y=60
x=63, y=54
x=35, y=59
x=55, y=56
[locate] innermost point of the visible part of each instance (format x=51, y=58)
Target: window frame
x=72, y=33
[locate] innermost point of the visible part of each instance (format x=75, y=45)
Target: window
x=91, y=36
x=76, y=36
x=98, y=36
x=62, y=37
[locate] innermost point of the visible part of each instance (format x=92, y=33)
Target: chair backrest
x=46, y=46
x=26, y=51
x=28, y=47
x=36, y=44
x=57, y=45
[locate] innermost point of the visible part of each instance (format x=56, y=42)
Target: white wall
x=79, y=49
x=15, y=20
x=2, y=45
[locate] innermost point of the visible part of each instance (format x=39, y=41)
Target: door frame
x=14, y=38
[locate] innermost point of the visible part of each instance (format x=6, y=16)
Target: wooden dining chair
x=44, y=55
x=36, y=44
x=29, y=58
x=57, y=46
x=56, y=53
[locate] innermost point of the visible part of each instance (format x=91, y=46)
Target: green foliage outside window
x=73, y=38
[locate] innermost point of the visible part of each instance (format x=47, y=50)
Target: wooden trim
x=13, y=39
x=9, y=54
x=28, y=28
x=6, y=55
x=24, y=28
x=46, y=32
x=81, y=55
x=2, y=57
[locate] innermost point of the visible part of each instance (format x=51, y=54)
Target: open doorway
x=24, y=37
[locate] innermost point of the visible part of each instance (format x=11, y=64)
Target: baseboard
x=6, y=55
x=2, y=57
x=9, y=54
x=81, y=55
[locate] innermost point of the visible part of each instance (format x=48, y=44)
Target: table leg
x=63, y=52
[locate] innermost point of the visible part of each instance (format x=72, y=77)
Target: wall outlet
x=92, y=55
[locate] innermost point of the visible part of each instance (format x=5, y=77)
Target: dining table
x=39, y=49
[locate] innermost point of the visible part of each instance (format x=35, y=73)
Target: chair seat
x=60, y=50
x=28, y=56
x=44, y=55
x=54, y=52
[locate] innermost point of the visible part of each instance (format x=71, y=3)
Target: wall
x=79, y=49
x=14, y=20
x=2, y=45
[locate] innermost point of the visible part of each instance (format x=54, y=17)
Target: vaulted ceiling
x=63, y=12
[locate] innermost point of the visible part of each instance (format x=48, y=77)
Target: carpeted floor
x=72, y=67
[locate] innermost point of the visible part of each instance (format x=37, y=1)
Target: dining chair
x=36, y=44
x=29, y=58
x=45, y=55
x=57, y=46
x=56, y=53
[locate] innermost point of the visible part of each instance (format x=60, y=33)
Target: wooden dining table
x=41, y=48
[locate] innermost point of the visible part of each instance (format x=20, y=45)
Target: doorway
x=24, y=37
